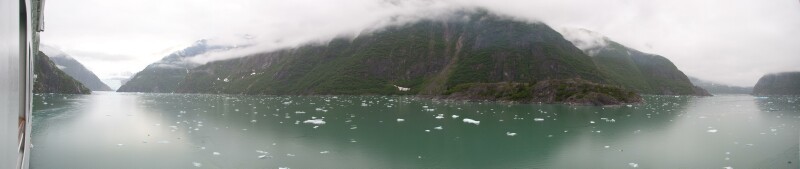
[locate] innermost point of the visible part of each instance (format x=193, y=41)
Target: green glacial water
x=127, y=130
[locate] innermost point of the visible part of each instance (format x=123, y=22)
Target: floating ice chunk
x=120, y=144
x=634, y=165
x=467, y=120
x=438, y=128
x=455, y=116
x=592, y=122
x=401, y=120
x=728, y=167
x=315, y=121
x=712, y=131
x=262, y=156
x=427, y=130
x=606, y=146
x=511, y=134
x=253, y=121
x=284, y=168
x=290, y=155
x=324, y=152
x=215, y=153
x=440, y=116
x=196, y=164
x=538, y=119
x=299, y=112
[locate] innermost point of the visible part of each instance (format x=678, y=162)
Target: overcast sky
x=728, y=41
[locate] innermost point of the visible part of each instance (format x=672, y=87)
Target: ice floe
x=315, y=121
x=633, y=165
x=468, y=120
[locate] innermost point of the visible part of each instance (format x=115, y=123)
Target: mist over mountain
x=718, y=88
x=163, y=76
x=75, y=69
x=784, y=83
x=628, y=67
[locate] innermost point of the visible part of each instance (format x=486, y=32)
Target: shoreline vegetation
x=567, y=91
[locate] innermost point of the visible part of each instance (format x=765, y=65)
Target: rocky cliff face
x=49, y=79
x=74, y=69
x=632, y=69
x=786, y=83
x=428, y=57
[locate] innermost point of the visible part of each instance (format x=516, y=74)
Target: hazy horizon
x=729, y=42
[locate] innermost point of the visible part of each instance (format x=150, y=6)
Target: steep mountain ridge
x=633, y=69
x=785, y=83
x=74, y=69
x=428, y=57
x=49, y=79
x=163, y=76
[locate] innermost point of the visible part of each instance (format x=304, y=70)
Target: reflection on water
x=113, y=130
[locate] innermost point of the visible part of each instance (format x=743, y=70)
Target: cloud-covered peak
x=586, y=40
x=52, y=51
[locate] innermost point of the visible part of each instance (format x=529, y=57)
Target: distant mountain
x=163, y=76
x=74, y=68
x=425, y=58
x=632, y=69
x=717, y=88
x=786, y=83
x=49, y=79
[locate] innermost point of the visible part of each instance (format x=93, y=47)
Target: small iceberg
x=633, y=165
x=712, y=131
x=511, y=134
x=538, y=119
x=467, y=120
x=196, y=164
x=215, y=153
x=315, y=121
x=455, y=116
x=438, y=128
x=401, y=120
x=440, y=116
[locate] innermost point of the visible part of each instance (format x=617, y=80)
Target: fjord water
x=127, y=130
